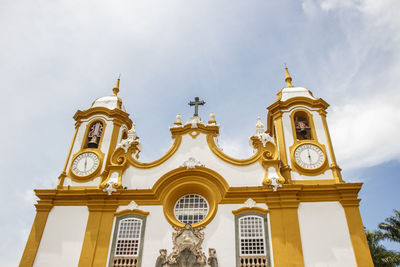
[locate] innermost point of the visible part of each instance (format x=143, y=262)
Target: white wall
x=325, y=236
x=251, y=175
x=63, y=236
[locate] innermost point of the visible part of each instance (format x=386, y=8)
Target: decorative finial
x=288, y=79
x=178, y=121
x=259, y=126
x=212, y=119
x=116, y=87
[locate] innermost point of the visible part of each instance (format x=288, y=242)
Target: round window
x=191, y=209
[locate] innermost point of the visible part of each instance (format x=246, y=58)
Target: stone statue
x=212, y=258
x=162, y=259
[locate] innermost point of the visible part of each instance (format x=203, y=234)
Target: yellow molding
x=285, y=237
x=357, y=236
x=298, y=168
x=314, y=182
x=63, y=174
x=253, y=209
x=335, y=168
x=35, y=236
x=120, y=160
x=96, y=173
x=112, y=113
x=287, y=196
x=285, y=169
x=85, y=136
x=135, y=211
x=98, y=233
x=239, y=162
x=201, y=128
x=310, y=121
x=277, y=106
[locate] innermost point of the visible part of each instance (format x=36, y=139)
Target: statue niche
x=187, y=251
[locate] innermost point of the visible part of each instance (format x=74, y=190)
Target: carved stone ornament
x=133, y=205
x=187, y=251
x=191, y=163
x=250, y=203
x=261, y=134
x=109, y=186
x=132, y=139
x=274, y=184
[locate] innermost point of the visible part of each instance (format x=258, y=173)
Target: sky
x=59, y=56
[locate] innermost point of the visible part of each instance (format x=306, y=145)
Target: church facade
x=286, y=205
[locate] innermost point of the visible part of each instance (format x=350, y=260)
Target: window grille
x=127, y=243
x=252, y=236
x=191, y=209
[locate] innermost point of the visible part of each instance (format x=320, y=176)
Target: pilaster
x=32, y=245
x=98, y=233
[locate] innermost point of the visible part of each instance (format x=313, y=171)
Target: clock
x=309, y=156
x=85, y=164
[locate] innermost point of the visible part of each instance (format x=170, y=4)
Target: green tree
x=380, y=255
x=391, y=227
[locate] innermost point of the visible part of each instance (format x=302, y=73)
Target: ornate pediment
x=187, y=250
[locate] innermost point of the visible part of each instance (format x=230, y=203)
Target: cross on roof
x=196, y=103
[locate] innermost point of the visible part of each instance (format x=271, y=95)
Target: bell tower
x=97, y=132
x=298, y=120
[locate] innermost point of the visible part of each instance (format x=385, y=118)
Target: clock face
x=309, y=156
x=85, y=164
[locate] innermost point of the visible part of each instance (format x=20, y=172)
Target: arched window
x=252, y=244
x=127, y=241
x=302, y=126
x=94, y=135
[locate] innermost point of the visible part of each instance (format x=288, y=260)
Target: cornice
x=278, y=105
x=119, y=115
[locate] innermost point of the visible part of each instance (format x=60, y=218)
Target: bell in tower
x=94, y=135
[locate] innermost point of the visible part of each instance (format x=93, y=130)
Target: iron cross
x=196, y=103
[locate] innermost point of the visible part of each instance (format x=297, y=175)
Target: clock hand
x=85, y=163
x=309, y=156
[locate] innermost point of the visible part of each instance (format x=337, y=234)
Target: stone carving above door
x=187, y=250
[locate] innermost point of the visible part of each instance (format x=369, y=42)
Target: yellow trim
x=286, y=195
x=201, y=128
x=96, y=173
x=239, y=162
x=135, y=211
x=116, y=114
x=98, y=233
x=334, y=167
x=62, y=176
x=357, y=233
x=285, y=168
x=35, y=236
x=298, y=168
x=88, y=125
x=278, y=106
x=253, y=209
x=310, y=121
x=285, y=237
x=315, y=182
x=155, y=163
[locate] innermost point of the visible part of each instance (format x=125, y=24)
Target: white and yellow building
x=287, y=205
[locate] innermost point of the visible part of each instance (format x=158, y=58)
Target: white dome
x=290, y=92
x=110, y=102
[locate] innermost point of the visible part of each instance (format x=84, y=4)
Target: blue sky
x=59, y=56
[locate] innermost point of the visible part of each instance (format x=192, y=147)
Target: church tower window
x=191, y=209
x=94, y=135
x=302, y=126
x=127, y=241
x=252, y=240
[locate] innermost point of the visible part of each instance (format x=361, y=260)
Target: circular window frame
x=198, y=196
x=195, y=186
